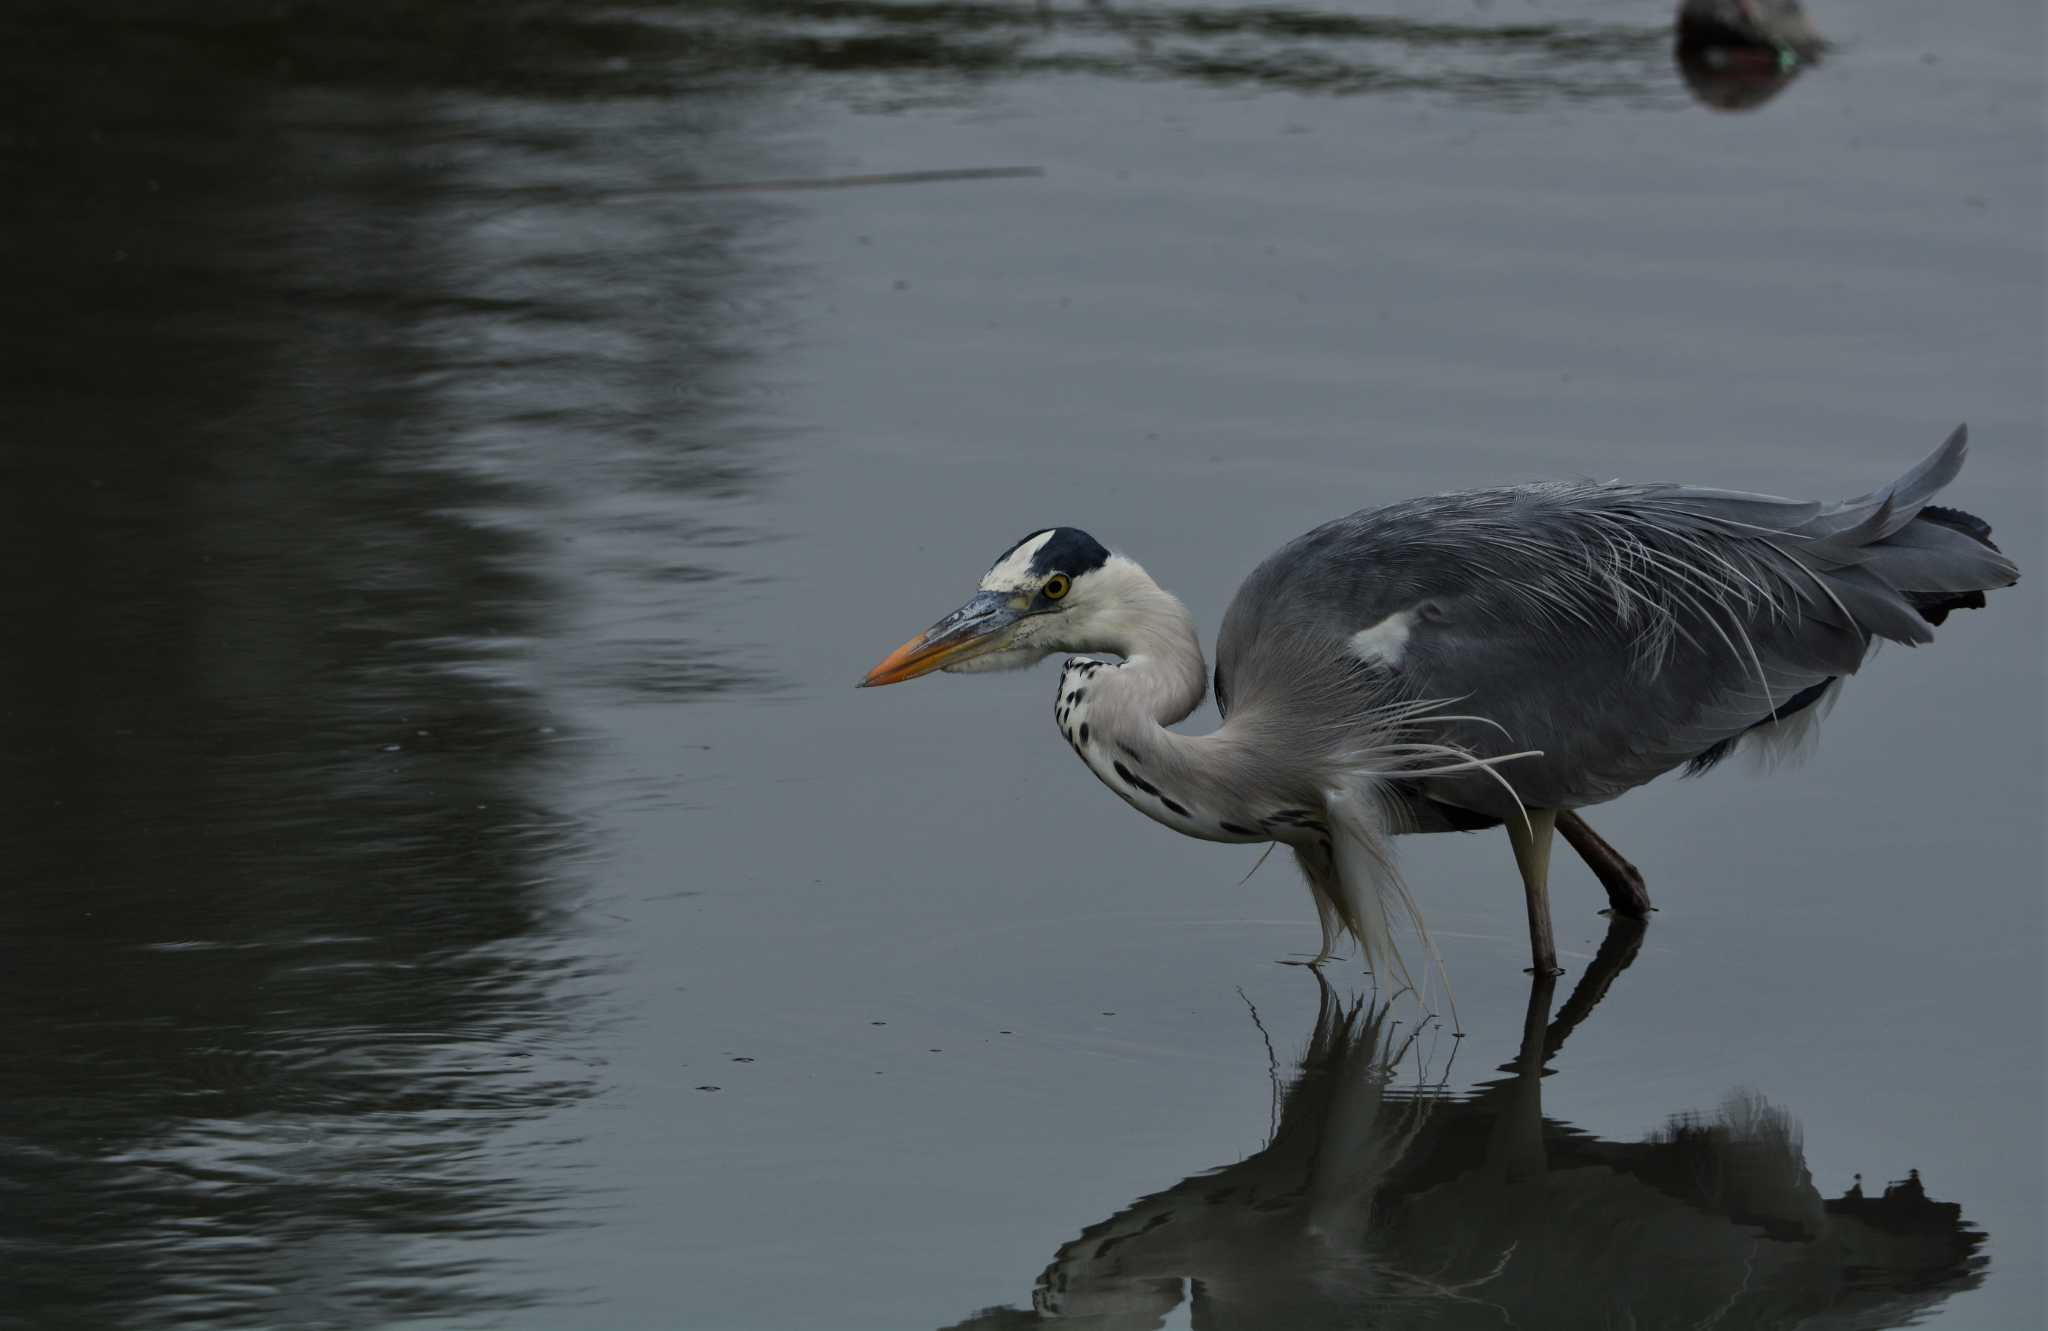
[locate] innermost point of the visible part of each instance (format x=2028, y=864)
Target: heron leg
x=1626, y=894
x=1530, y=835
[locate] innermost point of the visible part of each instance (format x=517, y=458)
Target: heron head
x=1041, y=596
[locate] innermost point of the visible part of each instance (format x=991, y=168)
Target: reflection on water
x=1467, y=51
x=316, y=419
x=1381, y=1198
x=698, y=47
x=1734, y=79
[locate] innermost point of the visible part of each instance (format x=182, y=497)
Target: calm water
x=449, y=880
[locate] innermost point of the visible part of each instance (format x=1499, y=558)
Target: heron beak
x=973, y=629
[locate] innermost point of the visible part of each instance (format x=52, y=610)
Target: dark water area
x=454, y=464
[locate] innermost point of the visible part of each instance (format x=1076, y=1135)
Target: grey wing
x=1621, y=630
x=1627, y=630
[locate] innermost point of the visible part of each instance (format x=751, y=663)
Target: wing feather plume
x=1620, y=629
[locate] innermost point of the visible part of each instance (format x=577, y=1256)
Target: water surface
x=451, y=881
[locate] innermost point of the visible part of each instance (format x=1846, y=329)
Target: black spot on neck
x=1136, y=782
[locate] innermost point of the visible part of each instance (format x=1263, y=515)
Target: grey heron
x=1495, y=657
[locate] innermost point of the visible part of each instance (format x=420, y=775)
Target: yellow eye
x=1057, y=586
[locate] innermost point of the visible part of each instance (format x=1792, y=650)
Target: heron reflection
x=1383, y=1199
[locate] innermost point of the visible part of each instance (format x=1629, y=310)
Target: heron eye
x=1058, y=585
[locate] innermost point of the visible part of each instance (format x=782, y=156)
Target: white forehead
x=1013, y=571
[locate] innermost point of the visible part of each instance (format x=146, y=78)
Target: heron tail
x=1889, y=564
x=1934, y=607
x=1898, y=561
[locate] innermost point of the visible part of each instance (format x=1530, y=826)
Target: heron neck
x=1163, y=677
x=1116, y=717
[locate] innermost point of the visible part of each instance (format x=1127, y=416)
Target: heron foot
x=1626, y=893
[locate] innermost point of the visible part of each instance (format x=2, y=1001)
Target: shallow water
x=451, y=881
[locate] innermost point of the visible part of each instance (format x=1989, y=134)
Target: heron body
x=1493, y=657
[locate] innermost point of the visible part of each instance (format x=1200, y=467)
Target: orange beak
x=970, y=631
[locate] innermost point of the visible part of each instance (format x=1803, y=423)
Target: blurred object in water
x=1735, y=55
x=1778, y=26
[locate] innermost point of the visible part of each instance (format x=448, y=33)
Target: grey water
x=452, y=472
